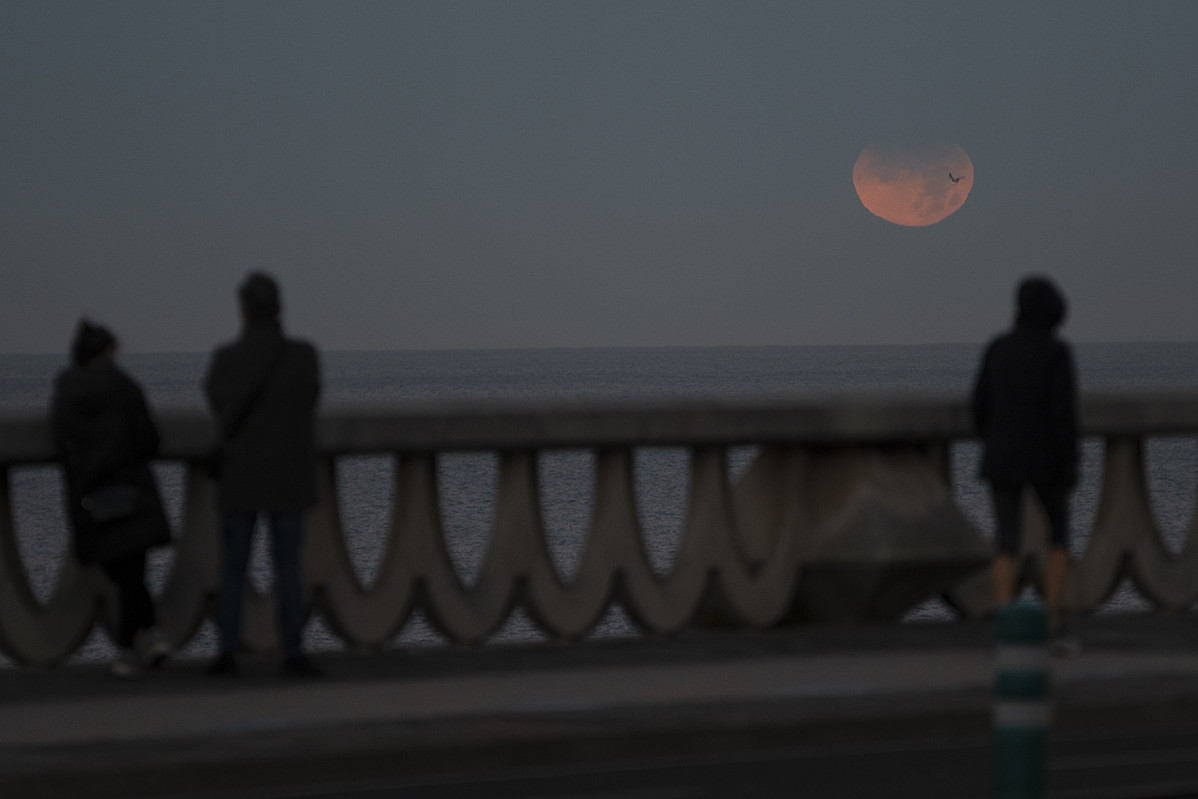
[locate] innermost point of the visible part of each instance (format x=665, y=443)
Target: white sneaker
x=127, y=664
x=1065, y=646
x=151, y=647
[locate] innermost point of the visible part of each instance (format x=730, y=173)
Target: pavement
x=174, y=732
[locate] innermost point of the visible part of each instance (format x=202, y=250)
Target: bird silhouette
x=954, y=180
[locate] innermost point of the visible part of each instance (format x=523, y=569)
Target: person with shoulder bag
x=105, y=439
x=1024, y=404
x=262, y=390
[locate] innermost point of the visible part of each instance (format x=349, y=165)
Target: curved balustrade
x=845, y=513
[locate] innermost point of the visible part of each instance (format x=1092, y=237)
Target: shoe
x=1062, y=643
x=300, y=666
x=223, y=666
x=126, y=665
x=151, y=647
x=1065, y=646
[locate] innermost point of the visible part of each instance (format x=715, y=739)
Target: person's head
x=1041, y=305
x=91, y=342
x=258, y=297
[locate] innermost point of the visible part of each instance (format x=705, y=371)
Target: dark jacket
x=104, y=436
x=269, y=462
x=1025, y=398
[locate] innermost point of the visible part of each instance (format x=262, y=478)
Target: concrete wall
x=846, y=514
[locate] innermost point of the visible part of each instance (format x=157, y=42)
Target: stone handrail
x=846, y=513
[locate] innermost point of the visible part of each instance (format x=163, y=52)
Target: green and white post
x=1021, y=707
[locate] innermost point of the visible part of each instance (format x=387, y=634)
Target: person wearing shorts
x=1025, y=408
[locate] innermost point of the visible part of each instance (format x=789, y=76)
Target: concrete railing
x=845, y=513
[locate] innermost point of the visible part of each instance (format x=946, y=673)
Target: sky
x=428, y=175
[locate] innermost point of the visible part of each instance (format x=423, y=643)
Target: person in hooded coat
x=263, y=390
x=105, y=438
x=1024, y=407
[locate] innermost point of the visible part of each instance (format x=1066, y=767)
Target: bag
x=112, y=503
x=144, y=529
x=124, y=519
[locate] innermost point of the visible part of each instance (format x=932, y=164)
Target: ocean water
x=468, y=479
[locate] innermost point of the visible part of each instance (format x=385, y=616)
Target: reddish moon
x=912, y=185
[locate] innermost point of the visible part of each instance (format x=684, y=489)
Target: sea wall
x=846, y=513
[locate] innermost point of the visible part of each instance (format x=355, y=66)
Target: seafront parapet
x=846, y=513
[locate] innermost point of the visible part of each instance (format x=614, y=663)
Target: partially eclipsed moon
x=911, y=185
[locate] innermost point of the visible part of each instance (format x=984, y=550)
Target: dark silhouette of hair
x=1041, y=304
x=259, y=296
x=89, y=342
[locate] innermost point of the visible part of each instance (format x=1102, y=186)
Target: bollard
x=1021, y=707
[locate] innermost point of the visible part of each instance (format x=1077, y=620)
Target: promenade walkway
x=78, y=731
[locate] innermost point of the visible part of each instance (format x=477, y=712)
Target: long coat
x=104, y=436
x=269, y=463
x=1024, y=407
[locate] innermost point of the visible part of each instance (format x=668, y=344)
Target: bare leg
x=1003, y=575
x=1054, y=585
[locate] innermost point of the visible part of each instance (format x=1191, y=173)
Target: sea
x=467, y=480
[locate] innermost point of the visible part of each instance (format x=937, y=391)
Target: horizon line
x=584, y=347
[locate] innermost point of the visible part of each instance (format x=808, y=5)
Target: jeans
x=286, y=533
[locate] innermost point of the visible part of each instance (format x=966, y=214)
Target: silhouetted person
x=262, y=389
x=105, y=439
x=1024, y=406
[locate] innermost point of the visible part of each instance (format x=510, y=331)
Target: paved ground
x=428, y=713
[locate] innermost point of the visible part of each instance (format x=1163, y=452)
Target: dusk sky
x=520, y=174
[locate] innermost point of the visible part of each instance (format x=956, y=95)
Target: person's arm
x=980, y=399
x=1061, y=410
x=312, y=375
x=143, y=433
x=222, y=390
x=58, y=422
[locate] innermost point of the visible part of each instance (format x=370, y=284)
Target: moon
x=912, y=185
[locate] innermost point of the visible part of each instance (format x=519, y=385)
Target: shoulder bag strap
x=243, y=413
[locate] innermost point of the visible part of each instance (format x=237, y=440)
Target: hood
x=1041, y=305
x=90, y=341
